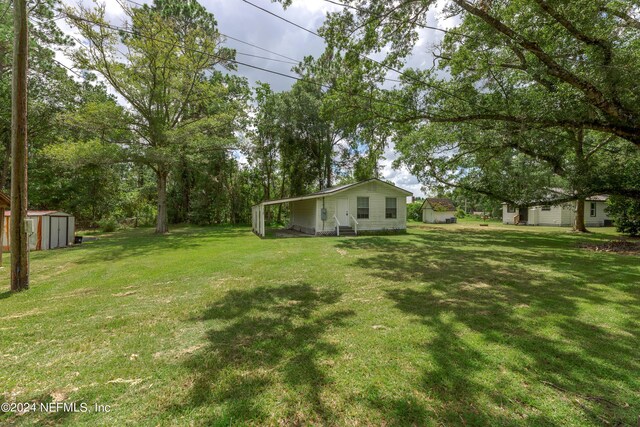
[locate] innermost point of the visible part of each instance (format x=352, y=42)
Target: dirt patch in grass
x=624, y=247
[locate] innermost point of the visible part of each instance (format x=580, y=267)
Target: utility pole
x=19, y=238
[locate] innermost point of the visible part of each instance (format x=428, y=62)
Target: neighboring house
x=562, y=215
x=371, y=205
x=50, y=230
x=438, y=211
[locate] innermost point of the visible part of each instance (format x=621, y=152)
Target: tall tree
x=171, y=48
x=529, y=86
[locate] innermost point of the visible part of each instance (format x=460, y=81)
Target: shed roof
x=40, y=213
x=594, y=198
x=442, y=203
x=333, y=190
x=5, y=201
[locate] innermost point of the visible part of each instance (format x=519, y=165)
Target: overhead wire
x=234, y=61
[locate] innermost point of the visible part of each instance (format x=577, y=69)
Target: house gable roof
x=334, y=190
x=446, y=205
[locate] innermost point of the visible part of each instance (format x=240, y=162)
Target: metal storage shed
x=51, y=229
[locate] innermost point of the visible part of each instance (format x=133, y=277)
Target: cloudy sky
x=239, y=20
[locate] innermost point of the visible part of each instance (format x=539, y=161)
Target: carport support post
x=262, y=230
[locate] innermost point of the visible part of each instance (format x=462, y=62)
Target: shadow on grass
x=474, y=299
x=266, y=341
x=144, y=242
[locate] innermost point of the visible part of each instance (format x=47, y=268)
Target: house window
x=546, y=207
x=363, y=208
x=593, y=209
x=391, y=208
x=511, y=209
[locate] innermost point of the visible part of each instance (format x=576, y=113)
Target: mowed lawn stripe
x=455, y=324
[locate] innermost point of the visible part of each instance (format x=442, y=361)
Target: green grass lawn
x=451, y=324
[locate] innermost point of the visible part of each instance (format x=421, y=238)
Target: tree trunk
x=579, y=220
x=19, y=238
x=5, y=167
x=162, y=226
x=280, y=204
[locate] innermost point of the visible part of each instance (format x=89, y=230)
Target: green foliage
x=509, y=110
x=626, y=214
x=181, y=104
x=108, y=224
x=414, y=211
x=460, y=213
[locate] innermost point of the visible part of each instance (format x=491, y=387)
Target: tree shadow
x=265, y=339
x=144, y=242
x=475, y=300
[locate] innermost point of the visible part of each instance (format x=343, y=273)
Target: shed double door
x=58, y=231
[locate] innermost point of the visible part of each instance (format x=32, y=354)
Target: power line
x=260, y=48
x=237, y=40
x=283, y=18
x=388, y=67
x=417, y=24
x=302, y=79
x=68, y=68
x=266, y=58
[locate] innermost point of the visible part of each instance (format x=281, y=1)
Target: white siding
x=551, y=217
x=377, y=193
x=599, y=218
x=567, y=215
x=433, y=217
x=303, y=216
x=560, y=215
x=507, y=217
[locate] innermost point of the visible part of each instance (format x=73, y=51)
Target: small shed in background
x=51, y=229
x=438, y=211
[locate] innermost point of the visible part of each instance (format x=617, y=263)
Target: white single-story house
x=371, y=205
x=562, y=215
x=49, y=230
x=438, y=211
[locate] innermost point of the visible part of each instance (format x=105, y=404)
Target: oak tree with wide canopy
x=547, y=85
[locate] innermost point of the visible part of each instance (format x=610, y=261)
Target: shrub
x=414, y=213
x=108, y=224
x=460, y=213
x=626, y=214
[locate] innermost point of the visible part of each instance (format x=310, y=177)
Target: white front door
x=343, y=211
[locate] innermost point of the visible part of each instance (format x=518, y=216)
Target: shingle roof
x=333, y=190
x=440, y=204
